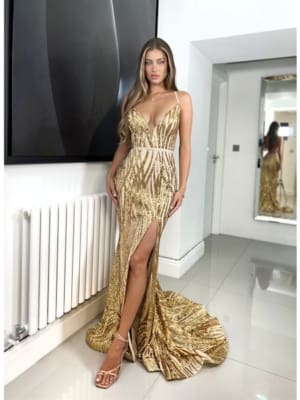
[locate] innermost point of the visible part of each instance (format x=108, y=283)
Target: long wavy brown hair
x=141, y=87
x=272, y=135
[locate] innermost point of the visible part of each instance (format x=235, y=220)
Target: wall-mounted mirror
x=276, y=191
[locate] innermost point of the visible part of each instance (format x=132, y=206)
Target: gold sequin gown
x=268, y=183
x=171, y=333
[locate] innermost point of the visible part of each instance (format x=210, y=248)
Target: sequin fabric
x=268, y=183
x=171, y=333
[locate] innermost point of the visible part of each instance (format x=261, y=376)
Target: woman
x=163, y=329
x=271, y=165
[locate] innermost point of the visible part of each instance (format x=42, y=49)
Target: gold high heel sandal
x=115, y=372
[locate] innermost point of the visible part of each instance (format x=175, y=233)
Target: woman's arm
x=280, y=151
x=121, y=151
x=185, y=129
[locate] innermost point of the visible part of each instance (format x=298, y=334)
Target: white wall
x=183, y=25
x=187, y=227
x=239, y=177
x=180, y=23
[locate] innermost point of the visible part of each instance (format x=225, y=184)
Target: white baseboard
x=26, y=353
x=176, y=268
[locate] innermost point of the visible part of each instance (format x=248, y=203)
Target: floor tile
x=229, y=381
x=68, y=373
x=250, y=286
x=260, y=333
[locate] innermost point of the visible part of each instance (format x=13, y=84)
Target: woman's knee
x=138, y=263
x=139, y=259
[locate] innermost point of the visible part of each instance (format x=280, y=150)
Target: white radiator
x=67, y=252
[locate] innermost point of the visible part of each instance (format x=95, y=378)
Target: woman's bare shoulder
x=185, y=100
x=183, y=94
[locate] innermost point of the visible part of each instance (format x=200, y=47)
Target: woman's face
x=156, y=66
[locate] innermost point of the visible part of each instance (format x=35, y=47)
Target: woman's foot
x=110, y=369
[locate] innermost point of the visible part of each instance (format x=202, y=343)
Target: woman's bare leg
x=137, y=282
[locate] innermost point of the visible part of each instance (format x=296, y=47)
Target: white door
x=214, y=154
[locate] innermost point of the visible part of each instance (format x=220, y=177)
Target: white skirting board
x=29, y=351
x=177, y=268
x=23, y=356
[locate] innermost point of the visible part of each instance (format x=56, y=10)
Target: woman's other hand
x=111, y=190
x=176, y=202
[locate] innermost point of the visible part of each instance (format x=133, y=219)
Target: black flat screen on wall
x=68, y=65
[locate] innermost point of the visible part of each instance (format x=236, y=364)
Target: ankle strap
x=118, y=336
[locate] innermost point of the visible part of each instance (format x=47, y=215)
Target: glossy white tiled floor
x=250, y=286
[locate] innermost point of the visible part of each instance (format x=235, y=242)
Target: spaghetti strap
x=177, y=97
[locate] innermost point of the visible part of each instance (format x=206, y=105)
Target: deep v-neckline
x=160, y=121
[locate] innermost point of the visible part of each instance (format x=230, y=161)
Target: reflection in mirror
x=275, y=277
x=276, y=166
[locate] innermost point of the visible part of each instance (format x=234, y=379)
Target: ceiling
x=249, y=47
